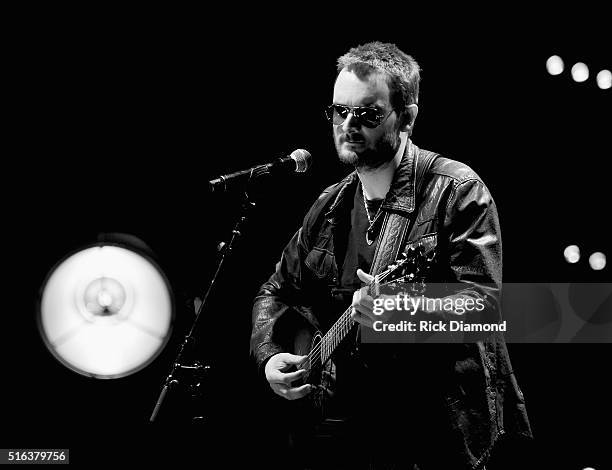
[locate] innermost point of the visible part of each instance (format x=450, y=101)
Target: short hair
x=401, y=70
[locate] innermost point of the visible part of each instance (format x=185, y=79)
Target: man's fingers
x=361, y=297
x=362, y=307
x=291, y=393
x=361, y=318
x=364, y=311
x=281, y=362
x=365, y=299
x=287, y=378
x=299, y=392
x=364, y=277
x=279, y=389
x=292, y=359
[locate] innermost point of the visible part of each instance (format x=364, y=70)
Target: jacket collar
x=400, y=197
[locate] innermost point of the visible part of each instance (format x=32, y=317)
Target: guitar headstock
x=408, y=273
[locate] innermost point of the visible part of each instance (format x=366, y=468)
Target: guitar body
x=321, y=374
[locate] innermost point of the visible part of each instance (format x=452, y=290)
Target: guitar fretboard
x=336, y=334
x=321, y=353
x=340, y=329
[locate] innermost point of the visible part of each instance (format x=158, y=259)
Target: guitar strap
x=395, y=224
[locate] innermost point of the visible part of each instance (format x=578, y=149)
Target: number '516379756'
x=42, y=456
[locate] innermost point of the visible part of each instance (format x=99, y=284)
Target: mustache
x=352, y=137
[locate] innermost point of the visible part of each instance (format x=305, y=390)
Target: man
x=421, y=405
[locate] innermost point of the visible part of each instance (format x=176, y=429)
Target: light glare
x=604, y=79
x=580, y=72
x=597, y=261
x=554, y=65
x=572, y=254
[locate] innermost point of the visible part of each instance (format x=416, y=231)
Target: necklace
x=370, y=220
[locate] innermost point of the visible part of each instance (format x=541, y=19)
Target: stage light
x=572, y=254
x=554, y=65
x=597, y=261
x=604, y=79
x=106, y=311
x=580, y=72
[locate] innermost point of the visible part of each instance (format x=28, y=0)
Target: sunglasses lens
x=333, y=115
x=340, y=113
x=369, y=117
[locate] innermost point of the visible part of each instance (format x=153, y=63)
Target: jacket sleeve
x=283, y=299
x=276, y=297
x=474, y=247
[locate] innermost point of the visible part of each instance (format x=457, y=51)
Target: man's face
x=356, y=144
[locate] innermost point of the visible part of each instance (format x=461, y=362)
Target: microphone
x=299, y=162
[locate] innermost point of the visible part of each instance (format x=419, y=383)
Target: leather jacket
x=454, y=214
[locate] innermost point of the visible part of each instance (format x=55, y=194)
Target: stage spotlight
x=604, y=79
x=554, y=65
x=572, y=254
x=580, y=72
x=106, y=311
x=597, y=261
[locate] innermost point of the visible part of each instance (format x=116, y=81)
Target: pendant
x=368, y=241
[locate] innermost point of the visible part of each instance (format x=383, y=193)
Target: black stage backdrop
x=122, y=119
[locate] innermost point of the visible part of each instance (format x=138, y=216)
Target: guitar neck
x=335, y=335
x=342, y=327
x=418, y=263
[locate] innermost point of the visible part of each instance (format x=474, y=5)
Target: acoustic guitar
x=405, y=276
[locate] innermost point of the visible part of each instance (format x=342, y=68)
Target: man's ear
x=410, y=115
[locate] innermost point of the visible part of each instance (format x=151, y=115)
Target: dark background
x=120, y=120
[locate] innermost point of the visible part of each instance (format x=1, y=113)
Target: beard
x=371, y=158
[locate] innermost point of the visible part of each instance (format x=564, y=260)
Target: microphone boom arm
x=299, y=162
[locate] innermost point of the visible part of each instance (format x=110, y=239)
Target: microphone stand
x=202, y=370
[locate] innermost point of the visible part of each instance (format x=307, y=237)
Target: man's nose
x=350, y=122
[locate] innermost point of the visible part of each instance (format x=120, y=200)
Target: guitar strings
x=344, y=322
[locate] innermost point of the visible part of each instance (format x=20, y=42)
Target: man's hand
x=363, y=304
x=280, y=381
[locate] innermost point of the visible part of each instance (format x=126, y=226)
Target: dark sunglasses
x=366, y=116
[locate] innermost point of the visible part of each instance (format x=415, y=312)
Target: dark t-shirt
x=358, y=253
x=378, y=396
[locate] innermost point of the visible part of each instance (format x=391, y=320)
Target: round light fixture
x=106, y=311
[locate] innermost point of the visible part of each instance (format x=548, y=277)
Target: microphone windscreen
x=302, y=159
